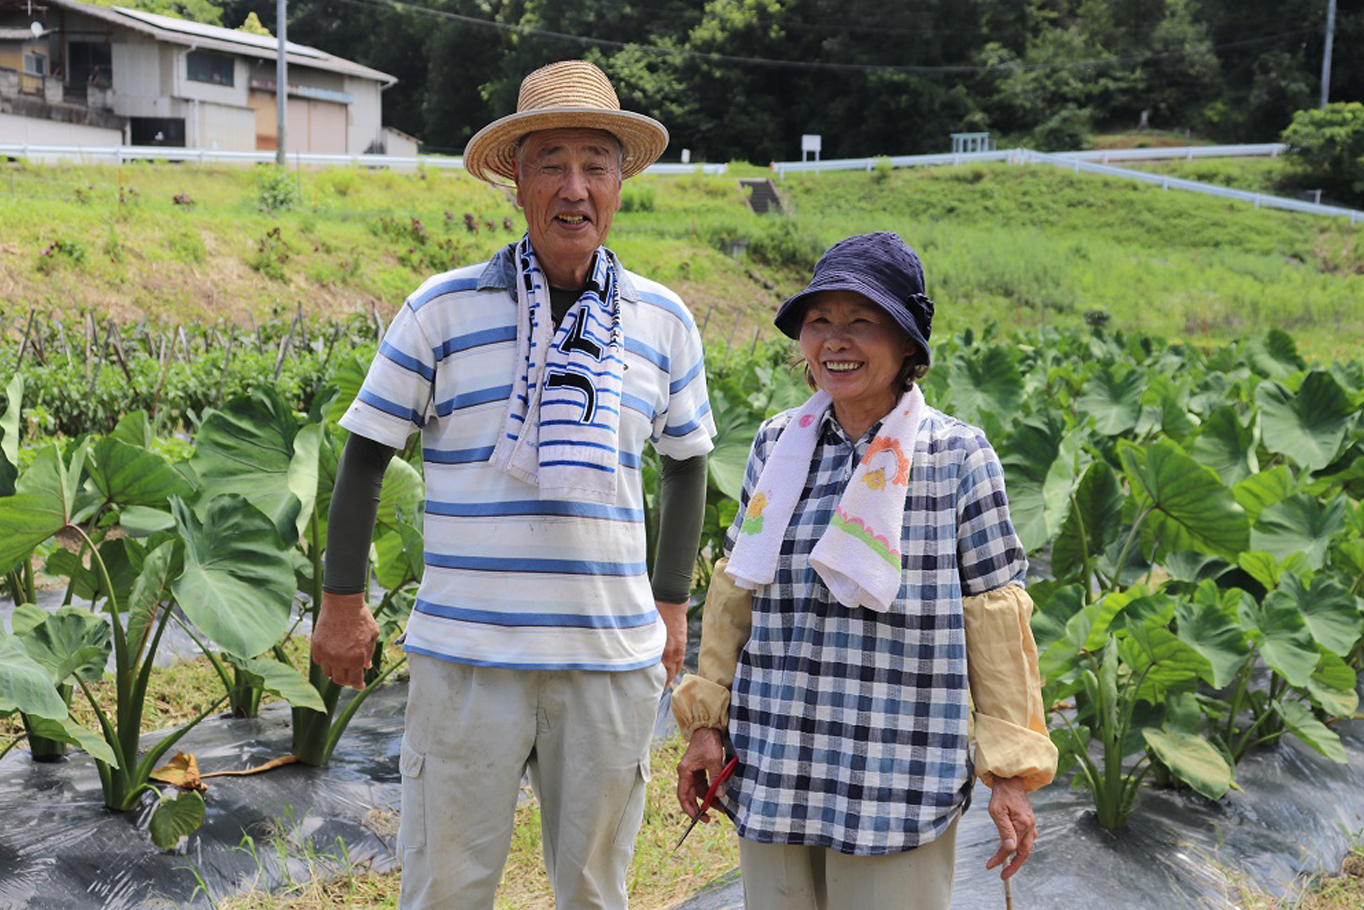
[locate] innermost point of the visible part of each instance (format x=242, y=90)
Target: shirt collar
x=829, y=425
x=500, y=273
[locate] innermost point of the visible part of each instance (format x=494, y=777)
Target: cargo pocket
x=633, y=816
x=412, y=825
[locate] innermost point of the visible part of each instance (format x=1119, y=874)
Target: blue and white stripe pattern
x=850, y=725
x=513, y=578
x=563, y=416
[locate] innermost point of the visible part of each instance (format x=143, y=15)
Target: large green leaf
x=985, y=387
x=42, y=504
x=174, y=818
x=9, y=423
x=126, y=475
x=1192, y=759
x=237, y=586
x=162, y=564
x=1308, y=427
x=1091, y=524
x=400, y=556
x=1226, y=445
x=70, y=641
x=1283, y=638
x=283, y=680
x=1333, y=685
x=1267, y=570
x=1216, y=635
x=349, y=376
x=1299, y=524
x=1112, y=396
x=1165, y=408
x=1299, y=720
x=140, y=521
x=249, y=447
x=1042, y=462
x=1053, y=612
x=1168, y=664
x=25, y=684
x=1262, y=490
x=66, y=730
x=1275, y=355
x=1331, y=614
x=134, y=429
x=1190, y=508
x=402, y=492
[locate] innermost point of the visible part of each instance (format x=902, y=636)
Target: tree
x=1328, y=144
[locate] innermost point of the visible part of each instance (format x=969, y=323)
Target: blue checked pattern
x=851, y=726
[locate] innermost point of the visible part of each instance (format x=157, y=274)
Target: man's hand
x=343, y=639
x=675, y=620
x=1012, y=815
x=703, y=760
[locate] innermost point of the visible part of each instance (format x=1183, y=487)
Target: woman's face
x=854, y=349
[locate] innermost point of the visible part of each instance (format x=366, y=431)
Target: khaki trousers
x=780, y=877
x=472, y=731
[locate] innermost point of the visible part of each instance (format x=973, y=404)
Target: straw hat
x=567, y=94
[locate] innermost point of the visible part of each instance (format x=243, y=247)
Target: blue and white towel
x=563, y=418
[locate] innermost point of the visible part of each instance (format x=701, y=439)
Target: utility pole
x=282, y=78
x=1326, y=53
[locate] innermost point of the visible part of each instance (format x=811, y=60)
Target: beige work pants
x=471, y=731
x=780, y=877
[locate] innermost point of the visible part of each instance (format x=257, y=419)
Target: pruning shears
x=725, y=773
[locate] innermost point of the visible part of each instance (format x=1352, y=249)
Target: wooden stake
x=111, y=335
x=1008, y=895
x=165, y=369
x=283, y=349
x=23, y=345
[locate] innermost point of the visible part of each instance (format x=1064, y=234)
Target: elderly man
x=538, y=642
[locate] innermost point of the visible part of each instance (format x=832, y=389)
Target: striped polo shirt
x=514, y=580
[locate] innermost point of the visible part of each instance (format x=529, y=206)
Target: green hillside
x=1018, y=246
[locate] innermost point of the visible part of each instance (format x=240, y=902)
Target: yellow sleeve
x=1006, y=689
x=702, y=698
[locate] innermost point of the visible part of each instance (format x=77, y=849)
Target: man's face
x=568, y=183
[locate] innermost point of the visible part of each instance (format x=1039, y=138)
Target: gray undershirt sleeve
x=350, y=522
x=681, y=510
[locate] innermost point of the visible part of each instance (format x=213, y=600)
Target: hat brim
x=491, y=153
x=789, y=315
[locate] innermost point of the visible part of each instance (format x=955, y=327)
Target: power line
x=955, y=69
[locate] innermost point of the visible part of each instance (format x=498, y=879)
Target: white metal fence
x=122, y=153
x=1093, y=162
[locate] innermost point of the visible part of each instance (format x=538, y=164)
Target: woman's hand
x=704, y=758
x=1012, y=814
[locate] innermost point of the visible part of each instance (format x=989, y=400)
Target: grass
x=658, y=878
x=1020, y=246
x=1322, y=892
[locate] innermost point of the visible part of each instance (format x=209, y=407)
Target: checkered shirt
x=851, y=726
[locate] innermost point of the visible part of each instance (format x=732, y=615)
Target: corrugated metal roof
x=200, y=30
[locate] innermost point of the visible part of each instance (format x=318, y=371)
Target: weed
x=276, y=190
x=61, y=252
x=183, y=201
x=272, y=255
x=881, y=170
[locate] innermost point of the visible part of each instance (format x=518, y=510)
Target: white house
x=74, y=73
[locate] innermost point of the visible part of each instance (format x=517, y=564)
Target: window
x=35, y=64
x=215, y=69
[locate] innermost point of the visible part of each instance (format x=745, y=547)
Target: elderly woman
x=870, y=609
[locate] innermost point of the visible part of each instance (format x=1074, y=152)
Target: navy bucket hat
x=880, y=267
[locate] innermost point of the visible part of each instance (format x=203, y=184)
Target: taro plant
x=228, y=573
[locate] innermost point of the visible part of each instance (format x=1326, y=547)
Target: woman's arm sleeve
x=681, y=510
x=1001, y=661
x=701, y=699
x=350, y=521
